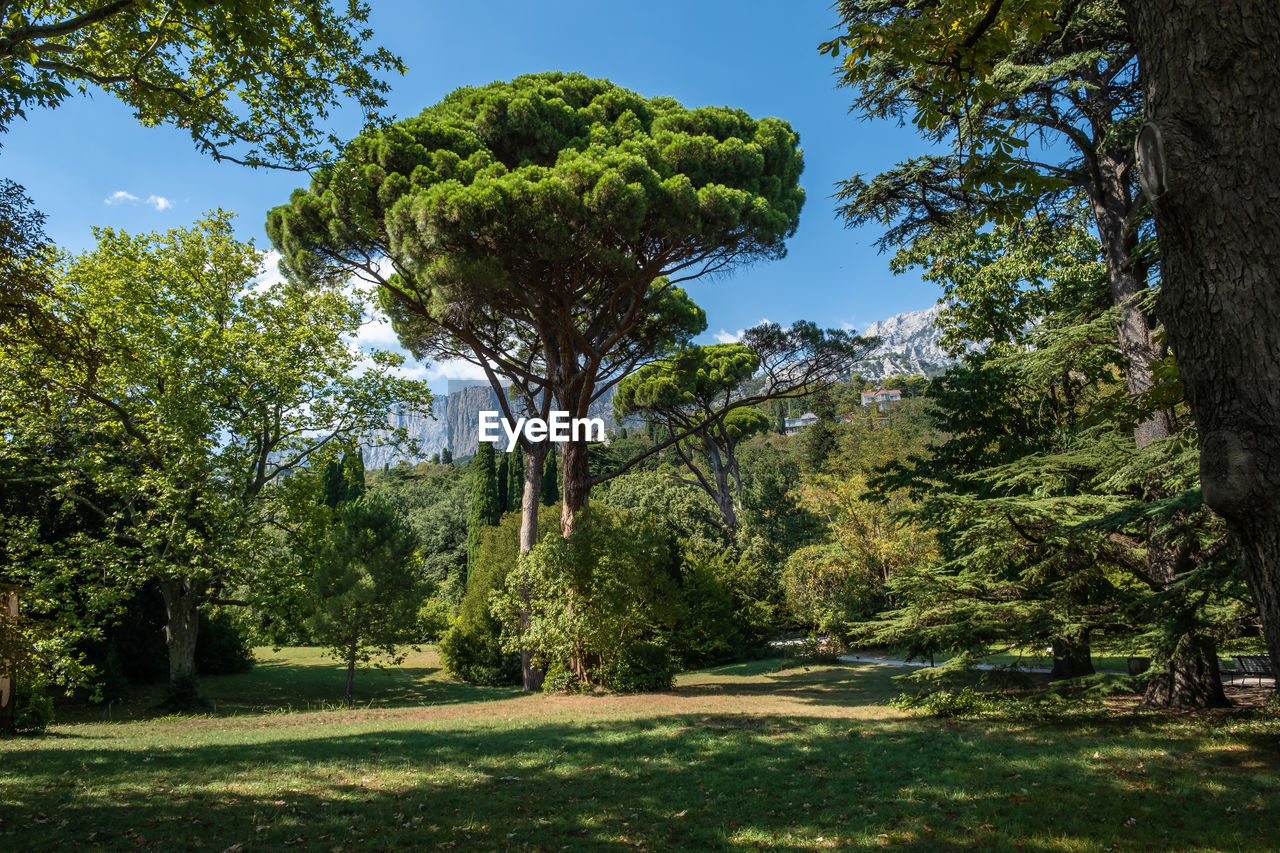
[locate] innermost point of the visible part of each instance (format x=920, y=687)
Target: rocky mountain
x=455, y=424
x=908, y=345
x=431, y=432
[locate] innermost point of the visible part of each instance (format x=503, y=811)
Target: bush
x=561, y=679
x=222, y=646
x=472, y=648
x=945, y=703
x=708, y=633
x=33, y=708
x=639, y=668
x=827, y=591
x=595, y=599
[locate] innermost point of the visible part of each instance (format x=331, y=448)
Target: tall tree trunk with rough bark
x=573, y=482
x=1211, y=81
x=182, y=625
x=534, y=458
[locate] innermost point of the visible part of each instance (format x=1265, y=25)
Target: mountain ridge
x=909, y=344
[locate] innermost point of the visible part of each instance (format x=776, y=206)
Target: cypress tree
x=503, y=489
x=446, y=457
x=353, y=472
x=344, y=479
x=334, y=486
x=515, y=480
x=550, y=480
x=484, y=503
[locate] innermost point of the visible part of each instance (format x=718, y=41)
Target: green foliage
x=33, y=706
x=945, y=703
x=515, y=480
x=828, y=591
x=437, y=505
x=984, y=79
x=577, y=190
x=485, y=507
x=502, y=484
x=223, y=645
x=594, y=597
x=643, y=667
x=197, y=393
x=365, y=590
x=819, y=440
x=472, y=649
x=248, y=83
x=687, y=513
x=550, y=493
x=711, y=395
x=344, y=478
x=26, y=257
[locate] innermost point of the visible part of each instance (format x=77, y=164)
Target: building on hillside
x=880, y=397
x=794, y=425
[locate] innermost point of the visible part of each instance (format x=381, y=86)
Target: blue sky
x=762, y=57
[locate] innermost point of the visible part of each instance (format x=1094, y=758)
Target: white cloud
x=376, y=333
x=271, y=274
x=723, y=337
x=159, y=202
x=726, y=337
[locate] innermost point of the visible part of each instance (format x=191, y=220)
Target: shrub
x=596, y=596
x=472, y=648
x=946, y=703
x=222, y=645
x=642, y=667
x=33, y=708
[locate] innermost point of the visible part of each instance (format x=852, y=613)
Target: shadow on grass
x=300, y=680
x=684, y=783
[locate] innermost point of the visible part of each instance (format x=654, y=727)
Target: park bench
x=1258, y=666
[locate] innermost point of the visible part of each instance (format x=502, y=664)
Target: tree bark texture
x=8, y=679
x=534, y=458
x=1211, y=80
x=573, y=482
x=182, y=624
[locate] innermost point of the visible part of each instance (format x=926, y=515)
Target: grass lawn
x=740, y=757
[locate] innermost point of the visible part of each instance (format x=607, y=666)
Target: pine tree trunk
x=1189, y=680
x=182, y=625
x=531, y=676
x=1212, y=88
x=573, y=482
x=1186, y=677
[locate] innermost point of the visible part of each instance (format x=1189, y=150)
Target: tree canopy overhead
x=247, y=79
x=543, y=224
